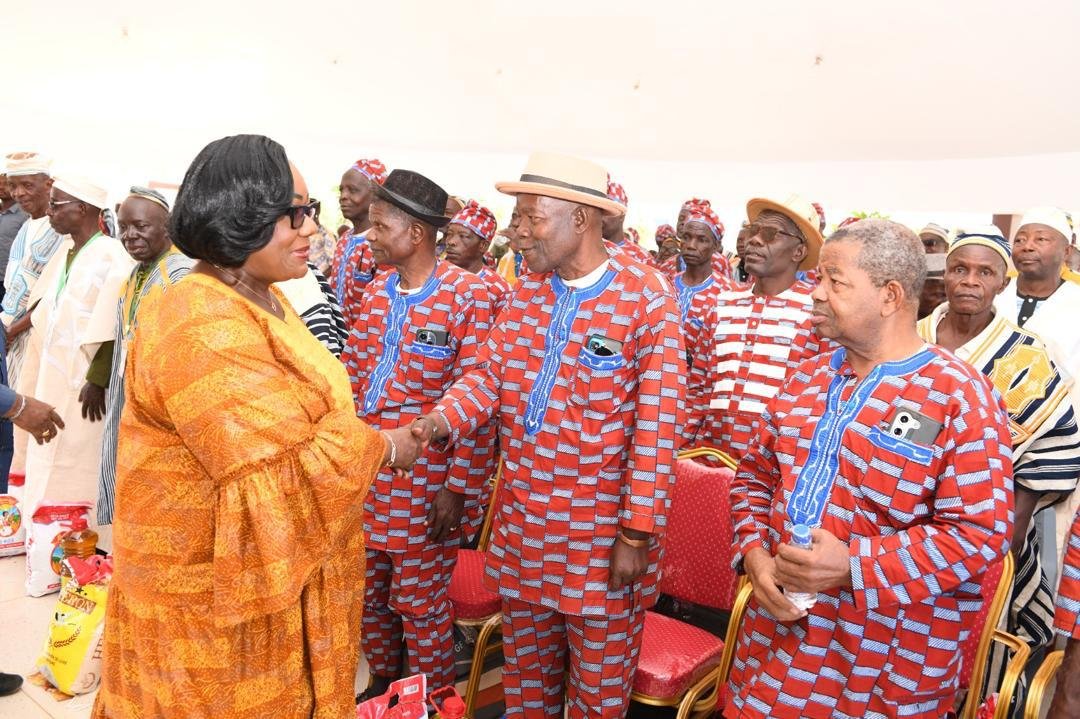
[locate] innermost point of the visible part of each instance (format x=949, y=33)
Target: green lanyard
x=70, y=262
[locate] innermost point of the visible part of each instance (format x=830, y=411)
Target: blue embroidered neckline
x=393, y=334
x=814, y=483
x=567, y=302
x=686, y=293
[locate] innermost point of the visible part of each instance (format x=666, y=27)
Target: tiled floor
x=25, y=621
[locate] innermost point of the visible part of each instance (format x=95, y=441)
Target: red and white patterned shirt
x=586, y=385
x=353, y=269
x=498, y=289
x=911, y=468
x=403, y=353
x=636, y=252
x=747, y=348
x=1067, y=616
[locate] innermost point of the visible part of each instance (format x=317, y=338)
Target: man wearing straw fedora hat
x=585, y=373
x=754, y=336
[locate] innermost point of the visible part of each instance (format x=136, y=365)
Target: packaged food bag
x=51, y=522
x=72, y=657
x=410, y=694
x=12, y=528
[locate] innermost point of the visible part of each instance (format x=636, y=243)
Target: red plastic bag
x=405, y=699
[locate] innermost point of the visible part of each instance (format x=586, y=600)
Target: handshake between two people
x=405, y=445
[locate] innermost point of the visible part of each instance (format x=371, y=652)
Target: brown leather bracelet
x=635, y=543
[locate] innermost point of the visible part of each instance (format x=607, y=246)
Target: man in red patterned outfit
x=897, y=454
x=584, y=372
x=754, y=336
x=613, y=227
x=467, y=238
x=698, y=288
x=418, y=331
x=354, y=267
x=673, y=265
x=1066, y=704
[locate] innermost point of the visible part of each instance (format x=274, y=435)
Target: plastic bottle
x=80, y=541
x=800, y=537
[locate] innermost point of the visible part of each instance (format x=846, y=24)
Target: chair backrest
x=975, y=651
x=698, y=538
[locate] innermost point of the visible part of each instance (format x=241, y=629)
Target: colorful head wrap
x=632, y=235
x=146, y=193
x=1053, y=217
x=705, y=215
x=695, y=202
x=987, y=236
x=372, y=169
x=477, y=218
x=664, y=232
x=616, y=193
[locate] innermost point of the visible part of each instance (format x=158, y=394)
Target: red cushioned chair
x=975, y=652
x=680, y=664
x=474, y=604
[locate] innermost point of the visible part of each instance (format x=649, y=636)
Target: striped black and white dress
x=317, y=305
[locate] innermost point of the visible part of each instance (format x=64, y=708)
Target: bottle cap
x=800, y=534
x=78, y=524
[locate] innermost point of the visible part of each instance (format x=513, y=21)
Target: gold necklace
x=269, y=297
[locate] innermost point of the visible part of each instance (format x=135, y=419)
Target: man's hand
x=93, y=402
x=628, y=563
x=445, y=514
x=40, y=420
x=761, y=569
x=429, y=428
x=826, y=565
x=16, y=328
x=409, y=448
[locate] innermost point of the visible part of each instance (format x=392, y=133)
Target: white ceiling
x=143, y=84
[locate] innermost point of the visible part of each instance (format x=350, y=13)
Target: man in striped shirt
x=754, y=336
x=1045, y=439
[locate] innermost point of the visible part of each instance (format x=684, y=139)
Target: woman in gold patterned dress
x=242, y=470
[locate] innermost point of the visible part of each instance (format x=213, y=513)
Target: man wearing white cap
x=584, y=372
x=28, y=174
x=1043, y=303
x=74, y=316
x=754, y=336
x=1045, y=439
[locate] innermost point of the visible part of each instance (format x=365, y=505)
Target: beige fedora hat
x=565, y=178
x=800, y=211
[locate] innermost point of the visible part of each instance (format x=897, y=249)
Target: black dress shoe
x=9, y=683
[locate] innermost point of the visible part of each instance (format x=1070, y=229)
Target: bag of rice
x=12, y=529
x=51, y=522
x=72, y=658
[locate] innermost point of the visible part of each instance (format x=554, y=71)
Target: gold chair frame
x=488, y=625
x=991, y=634
x=700, y=698
x=1041, y=682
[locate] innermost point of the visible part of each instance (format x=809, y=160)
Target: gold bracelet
x=635, y=543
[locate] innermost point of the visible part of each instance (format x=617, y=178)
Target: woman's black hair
x=232, y=195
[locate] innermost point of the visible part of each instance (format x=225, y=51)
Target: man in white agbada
x=32, y=248
x=75, y=319
x=1040, y=301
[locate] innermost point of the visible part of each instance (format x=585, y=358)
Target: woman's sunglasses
x=298, y=213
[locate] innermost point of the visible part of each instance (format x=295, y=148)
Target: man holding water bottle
x=895, y=455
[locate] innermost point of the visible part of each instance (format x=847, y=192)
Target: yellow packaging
x=72, y=658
